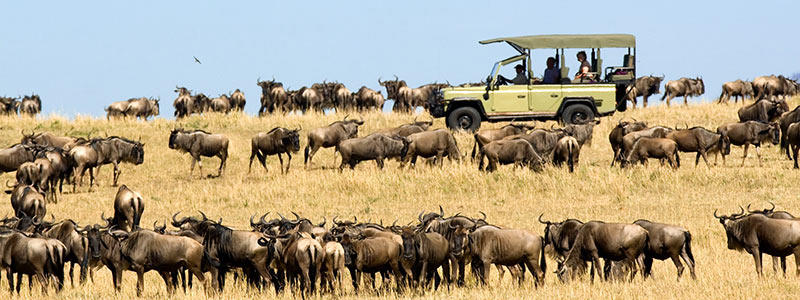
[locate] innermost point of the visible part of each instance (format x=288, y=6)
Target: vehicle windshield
x=494, y=69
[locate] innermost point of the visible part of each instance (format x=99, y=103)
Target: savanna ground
x=511, y=198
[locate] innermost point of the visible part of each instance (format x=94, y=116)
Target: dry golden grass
x=512, y=198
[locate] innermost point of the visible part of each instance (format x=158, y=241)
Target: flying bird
x=197, y=60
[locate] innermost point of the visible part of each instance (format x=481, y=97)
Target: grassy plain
x=512, y=198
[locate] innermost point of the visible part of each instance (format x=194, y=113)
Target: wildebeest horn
x=324, y=221
x=773, y=206
x=296, y=217
x=441, y=211
x=204, y=215
x=345, y=117
x=180, y=222
x=335, y=222
x=716, y=216
x=419, y=217
x=634, y=119
x=748, y=208
x=452, y=226
x=10, y=186
x=394, y=223
x=484, y=215
x=282, y=217
x=548, y=222
x=252, y=224
x=379, y=81
x=396, y=78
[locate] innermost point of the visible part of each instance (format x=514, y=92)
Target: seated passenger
x=582, y=59
x=552, y=75
x=583, y=75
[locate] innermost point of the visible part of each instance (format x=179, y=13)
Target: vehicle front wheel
x=577, y=114
x=464, y=118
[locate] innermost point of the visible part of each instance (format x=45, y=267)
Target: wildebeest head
x=409, y=244
x=392, y=86
x=173, y=137
x=765, y=211
x=182, y=91
x=728, y=222
x=292, y=140
x=92, y=233
x=131, y=151
x=350, y=126
x=350, y=254
x=458, y=240
x=772, y=133
x=422, y=124
x=154, y=107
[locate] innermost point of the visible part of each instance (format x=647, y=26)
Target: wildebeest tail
x=666, y=92
x=137, y=215
x=677, y=158
x=688, y=246
x=570, y=161
x=305, y=152
x=542, y=260
x=474, y=147
x=480, y=164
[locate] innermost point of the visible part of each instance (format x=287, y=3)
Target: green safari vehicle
x=599, y=93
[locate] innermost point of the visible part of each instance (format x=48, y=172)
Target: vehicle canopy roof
x=561, y=41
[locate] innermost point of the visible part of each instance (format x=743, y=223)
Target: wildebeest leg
x=775, y=264
x=487, y=268
x=280, y=159
x=223, y=157
x=795, y=149
x=446, y=273
x=379, y=161
x=746, y=146
x=758, y=155
x=705, y=158
x=644, y=101
x=685, y=99
x=310, y=156
x=288, y=161
x=91, y=178
x=783, y=265
x=139, y=283
x=167, y=281
x=757, y=257
x=10, y=277
x=596, y=266
x=440, y=158
x=80, y=170
x=678, y=265
x=116, y=173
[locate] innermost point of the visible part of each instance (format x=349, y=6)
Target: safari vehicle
x=566, y=101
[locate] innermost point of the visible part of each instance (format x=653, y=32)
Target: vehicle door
x=511, y=97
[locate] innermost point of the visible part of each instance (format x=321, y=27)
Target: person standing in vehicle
x=551, y=74
x=583, y=71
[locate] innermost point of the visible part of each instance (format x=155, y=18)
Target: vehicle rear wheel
x=577, y=114
x=464, y=118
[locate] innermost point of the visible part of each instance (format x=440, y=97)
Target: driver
x=521, y=78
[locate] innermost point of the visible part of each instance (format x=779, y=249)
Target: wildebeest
x=630, y=139
x=618, y=133
x=568, y=151
x=146, y=250
x=751, y=132
x=237, y=100
x=792, y=137
x=330, y=136
x=9, y=106
x=582, y=132
x=12, y=157
x=700, y=140
x=221, y=104
x=398, y=91
x=117, y=109
x=685, y=87
x=367, y=98
x=757, y=234
x=736, y=89
x=37, y=257
x=310, y=98
x=667, y=242
x=128, y=209
x=408, y=129
x=518, y=152
x=302, y=258
x=273, y=97
x=40, y=175
x=27, y=201
x=100, y=151
x=485, y=136
x=646, y=147
x=228, y=248
x=141, y=108
x=199, y=143
x=437, y=143
x=78, y=250
x=428, y=251
x=184, y=103
x=60, y=166
x=770, y=86
x=376, y=146
x=784, y=121
x=645, y=87
x=763, y=110
x=334, y=267
x=30, y=105
x=372, y=255
x=610, y=241
x=543, y=141
x=560, y=235
x=507, y=247
x=46, y=139
x=277, y=141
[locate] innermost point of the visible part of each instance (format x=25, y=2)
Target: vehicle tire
x=577, y=114
x=464, y=118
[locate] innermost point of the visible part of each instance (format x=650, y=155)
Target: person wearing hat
x=520, y=79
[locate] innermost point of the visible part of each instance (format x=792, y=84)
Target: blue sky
x=80, y=57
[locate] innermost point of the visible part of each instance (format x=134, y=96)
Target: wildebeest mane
x=217, y=241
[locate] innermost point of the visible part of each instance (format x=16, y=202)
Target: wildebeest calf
x=645, y=148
